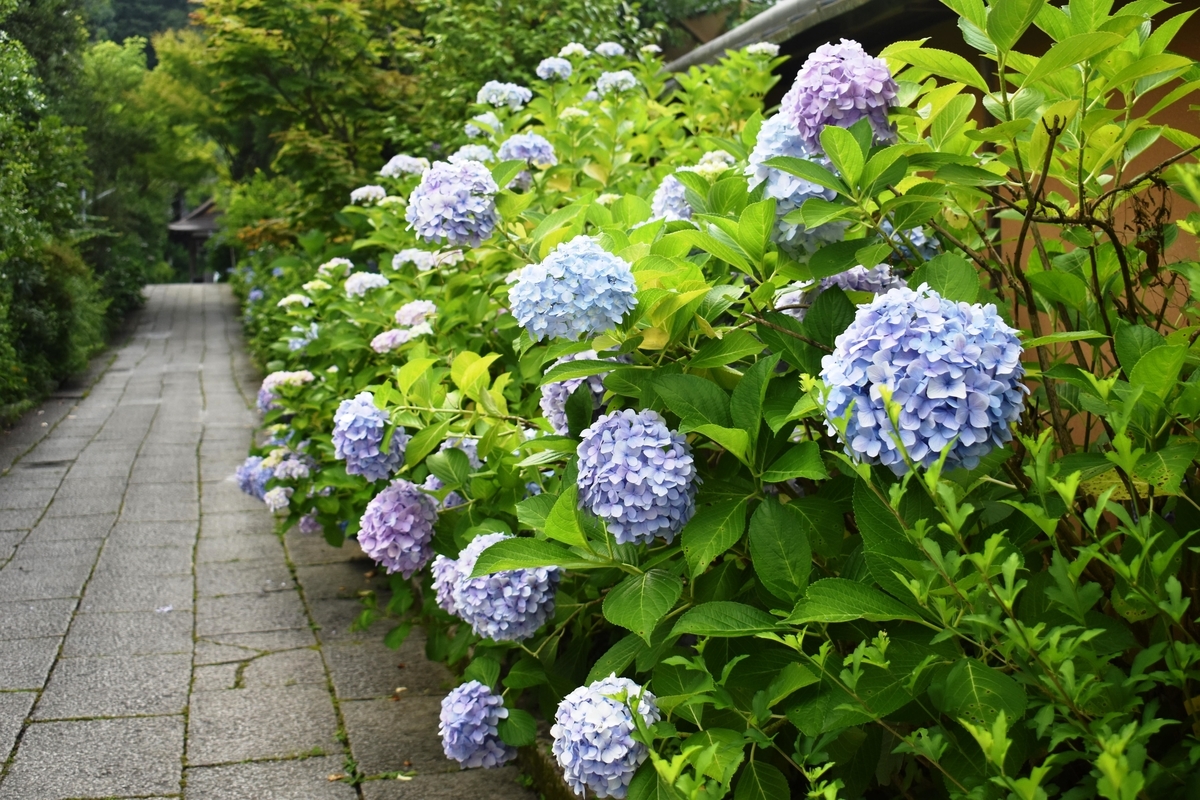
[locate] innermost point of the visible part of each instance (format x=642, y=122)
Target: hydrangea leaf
x=640, y=601
x=724, y=619
x=533, y=511
x=722, y=751
x=780, y=550
x=524, y=674
x=950, y=276
x=616, y=659
x=484, y=669
x=694, y=400
x=733, y=346
x=518, y=729
x=760, y=781
x=1158, y=370
x=841, y=600
x=800, y=461
x=713, y=530
x=524, y=553
x=563, y=521
x=978, y=693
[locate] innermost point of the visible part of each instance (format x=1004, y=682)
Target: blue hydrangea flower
x=358, y=429
x=252, y=477
x=397, y=528
x=404, y=165
x=579, y=289
x=777, y=138
x=471, y=152
x=593, y=740
x=277, y=272
x=840, y=84
x=637, y=475
x=528, y=147
x=454, y=203
x=876, y=280
x=574, y=49
x=554, y=68
x=469, y=719
x=255, y=295
x=306, y=336
x=499, y=94
x=489, y=121
x=506, y=606
x=954, y=369
x=554, y=395
x=620, y=81
x=610, y=50
x=309, y=524
x=927, y=246
x=670, y=201
x=278, y=499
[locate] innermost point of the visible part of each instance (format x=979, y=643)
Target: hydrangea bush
x=858, y=461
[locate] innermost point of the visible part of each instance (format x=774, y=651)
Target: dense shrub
x=890, y=486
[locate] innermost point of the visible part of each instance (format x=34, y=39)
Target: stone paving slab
x=158, y=639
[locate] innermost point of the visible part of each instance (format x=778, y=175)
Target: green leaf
x=841, y=600
x=720, y=245
x=1067, y=336
x=735, y=440
x=1132, y=342
x=801, y=461
x=616, y=659
x=835, y=258
x=1061, y=287
x=817, y=211
x=640, y=601
x=949, y=275
x=578, y=408
x=978, y=693
x=751, y=128
x=823, y=522
x=723, y=619
x=563, y=522
x=735, y=345
x=722, y=752
x=964, y=175
x=518, y=729
x=830, y=314
x=713, y=530
x=576, y=369
x=504, y=172
x=532, y=511
x=694, y=400
x=942, y=63
x=525, y=674
x=1070, y=52
x=809, y=171
x=781, y=553
x=1008, y=19
x=844, y=151
x=1158, y=370
x=754, y=228
x=451, y=466
x=746, y=404
x=525, y=553
x=760, y=781
x=484, y=669
x=647, y=784
x=423, y=442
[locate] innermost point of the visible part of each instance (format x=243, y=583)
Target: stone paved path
x=157, y=638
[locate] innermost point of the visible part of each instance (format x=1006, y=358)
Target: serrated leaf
x=809, y=171
x=1008, y=19
x=504, y=172
x=724, y=619
x=1065, y=336
x=640, y=601
x=735, y=440
x=713, y=530
x=484, y=669
x=616, y=659
x=755, y=224
x=532, y=511
x=745, y=406
x=525, y=553
x=563, y=523
x=801, y=461
x=1158, y=370
x=524, y=674
x=721, y=753
x=780, y=550
x=423, y=442
x=1070, y=52
x=693, y=399
x=734, y=346
x=844, y=151
x=581, y=368
x=978, y=693
x=949, y=275
x=841, y=600
x=518, y=729
x=760, y=781
x=647, y=784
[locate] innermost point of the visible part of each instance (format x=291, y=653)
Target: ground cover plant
x=843, y=452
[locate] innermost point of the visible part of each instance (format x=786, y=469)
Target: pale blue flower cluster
x=255, y=295
x=620, y=81
x=506, y=606
x=876, y=280
x=488, y=119
x=358, y=430
x=454, y=203
x=579, y=289
x=495, y=93
x=397, y=528
x=953, y=369
x=637, y=475
x=471, y=152
x=927, y=246
x=252, y=477
x=554, y=68
x=307, y=334
x=268, y=399
x=554, y=395
x=278, y=499
x=777, y=137
x=670, y=201
x=359, y=283
x=468, y=725
x=593, y=741
x=433, y=483
x=404, y=165
x=415, y=312
x=367, y=195
x=610, y=50
x=530, y=148
x=840, y=84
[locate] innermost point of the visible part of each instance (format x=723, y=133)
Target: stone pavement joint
x=157, y=637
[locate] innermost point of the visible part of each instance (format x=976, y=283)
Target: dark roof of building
x=201, y=220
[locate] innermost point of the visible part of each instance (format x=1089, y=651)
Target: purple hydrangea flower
x=309, y=524
x=840, y=84
x=954, y=369
x=579, y=289
x=637, y=475
x=471, y=152
x=469, y=719
x=358, y=428
x=499, y=94
x=397, y=337
x=404, y=165
x=554, y=395
x=268, y=399
x=610, y=50
x=252, y=477
x=415, y=312
x=277, y=272
x=670, y=201
x=528, y=147
x=293, y=468
x=593, y=740
x=454, y=203
x=620, y=81
x=876, y=280
x=554, y=68
x=506, y=606
x=277, y=499
x=255, y=295
x=776, y=138
x=397, y=528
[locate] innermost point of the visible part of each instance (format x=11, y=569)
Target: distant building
x=193, y=229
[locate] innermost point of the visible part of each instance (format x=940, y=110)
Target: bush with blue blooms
x=849, y=432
